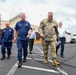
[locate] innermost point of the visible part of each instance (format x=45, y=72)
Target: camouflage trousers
x=52, y=44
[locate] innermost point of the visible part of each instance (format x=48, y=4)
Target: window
x=74, y=35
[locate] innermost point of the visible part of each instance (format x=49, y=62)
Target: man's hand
x=14, y=40
x=58, y=38
x=28, y=36
x=42, y=35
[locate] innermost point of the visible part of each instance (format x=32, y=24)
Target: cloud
x=2, y=0
x=39, y=1
x=70, y=3
x=36, y=10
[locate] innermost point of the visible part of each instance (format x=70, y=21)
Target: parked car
x=73, y=39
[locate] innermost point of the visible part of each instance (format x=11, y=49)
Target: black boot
x=24, y=59
x=8, y=57
x=30, y=52
x=3, y=57
x=19, y=63
x=62, y=56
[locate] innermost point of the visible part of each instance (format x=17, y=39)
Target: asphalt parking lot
x=35, y=64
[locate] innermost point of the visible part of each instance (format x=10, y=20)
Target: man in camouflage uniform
x=48, y=31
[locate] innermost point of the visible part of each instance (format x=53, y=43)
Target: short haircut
x=50, y=12
x=22, y=13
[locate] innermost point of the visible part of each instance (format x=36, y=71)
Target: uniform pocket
x=54, y=37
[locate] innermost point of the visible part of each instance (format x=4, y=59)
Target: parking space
x=36, y=66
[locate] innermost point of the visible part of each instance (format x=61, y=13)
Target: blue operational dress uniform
x=6, y=40
x=22, y=27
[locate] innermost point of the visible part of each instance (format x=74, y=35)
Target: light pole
x=0, y=21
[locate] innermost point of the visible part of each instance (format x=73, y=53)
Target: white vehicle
x=73, y=38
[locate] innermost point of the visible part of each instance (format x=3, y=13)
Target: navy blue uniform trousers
x=7, y=45
x=22, y=44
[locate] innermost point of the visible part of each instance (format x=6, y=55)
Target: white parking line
x=62, y=71
x=35, y=59
x=39, y=49
x=13, y=69
x=58, y=68
x=40, y=69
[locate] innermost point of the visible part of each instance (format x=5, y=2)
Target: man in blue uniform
x=6, y=40
x=22, y=33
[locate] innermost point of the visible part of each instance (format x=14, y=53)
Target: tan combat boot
x=45, y=60
x=55, y=62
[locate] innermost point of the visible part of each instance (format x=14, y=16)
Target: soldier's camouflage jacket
x=49, y=29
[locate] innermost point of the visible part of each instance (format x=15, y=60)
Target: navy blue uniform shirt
x=7, y=35
x=22, y=27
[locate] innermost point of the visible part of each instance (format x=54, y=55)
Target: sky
x=36, y=10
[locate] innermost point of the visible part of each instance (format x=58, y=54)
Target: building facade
x=13, y=21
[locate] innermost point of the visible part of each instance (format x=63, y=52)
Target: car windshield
x=74, y=35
